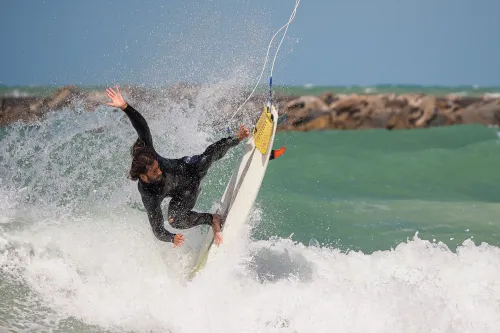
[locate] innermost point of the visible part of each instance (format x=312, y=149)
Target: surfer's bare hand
x=178, y=240
x=117, y=100
x=243, y=133
x=218, y=238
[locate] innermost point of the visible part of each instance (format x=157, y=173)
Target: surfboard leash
x=270, y=98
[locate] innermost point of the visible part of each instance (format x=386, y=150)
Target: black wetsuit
x=180, y=180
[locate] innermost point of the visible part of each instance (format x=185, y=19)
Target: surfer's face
x=153, y=173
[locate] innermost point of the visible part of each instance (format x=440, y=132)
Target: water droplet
x=313, y=242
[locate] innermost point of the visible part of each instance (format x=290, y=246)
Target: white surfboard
x=243, y=187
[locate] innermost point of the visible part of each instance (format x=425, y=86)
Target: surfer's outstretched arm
x=155, y=216
x=140, y=125
x=218, y=149
x=137, y=120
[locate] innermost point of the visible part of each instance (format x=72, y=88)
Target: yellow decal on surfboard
x=263, y=130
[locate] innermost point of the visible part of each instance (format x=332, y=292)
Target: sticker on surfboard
x=263, y=130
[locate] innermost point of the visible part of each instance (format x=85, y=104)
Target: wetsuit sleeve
x=140, y=125
x=155, y=216
x=215, y=152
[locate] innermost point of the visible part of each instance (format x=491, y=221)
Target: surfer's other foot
x=218, y=238
x=217, y=227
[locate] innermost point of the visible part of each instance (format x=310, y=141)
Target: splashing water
x=109, y=273
x=77, y=253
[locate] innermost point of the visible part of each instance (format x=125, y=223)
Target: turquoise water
x=406, y=221
x=370, y=190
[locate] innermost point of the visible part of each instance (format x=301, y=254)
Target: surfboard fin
x=275, y=153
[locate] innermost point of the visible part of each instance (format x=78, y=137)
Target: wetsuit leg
x=180, y=210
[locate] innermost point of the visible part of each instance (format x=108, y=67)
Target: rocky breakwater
x=304, y=113
x=389, y=111
x=29, y=109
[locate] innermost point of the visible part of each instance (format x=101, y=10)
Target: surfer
x=180, y=179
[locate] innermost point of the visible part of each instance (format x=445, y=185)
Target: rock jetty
x=304, y=113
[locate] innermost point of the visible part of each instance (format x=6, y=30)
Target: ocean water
x=353, y=231
x=297, y=90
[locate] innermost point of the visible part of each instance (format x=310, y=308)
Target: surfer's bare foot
x=217, y=227
x=218, y=238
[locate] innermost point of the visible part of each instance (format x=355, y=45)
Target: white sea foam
x=110, y=272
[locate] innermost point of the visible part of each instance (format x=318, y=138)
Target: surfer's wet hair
x=142, y=157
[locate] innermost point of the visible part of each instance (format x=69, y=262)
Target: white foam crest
x=18, y=93
x=463, y=93
x=109, y=272
x=492, y=95
x=7, y=208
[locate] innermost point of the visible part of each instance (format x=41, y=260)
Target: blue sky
x=349, y=42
